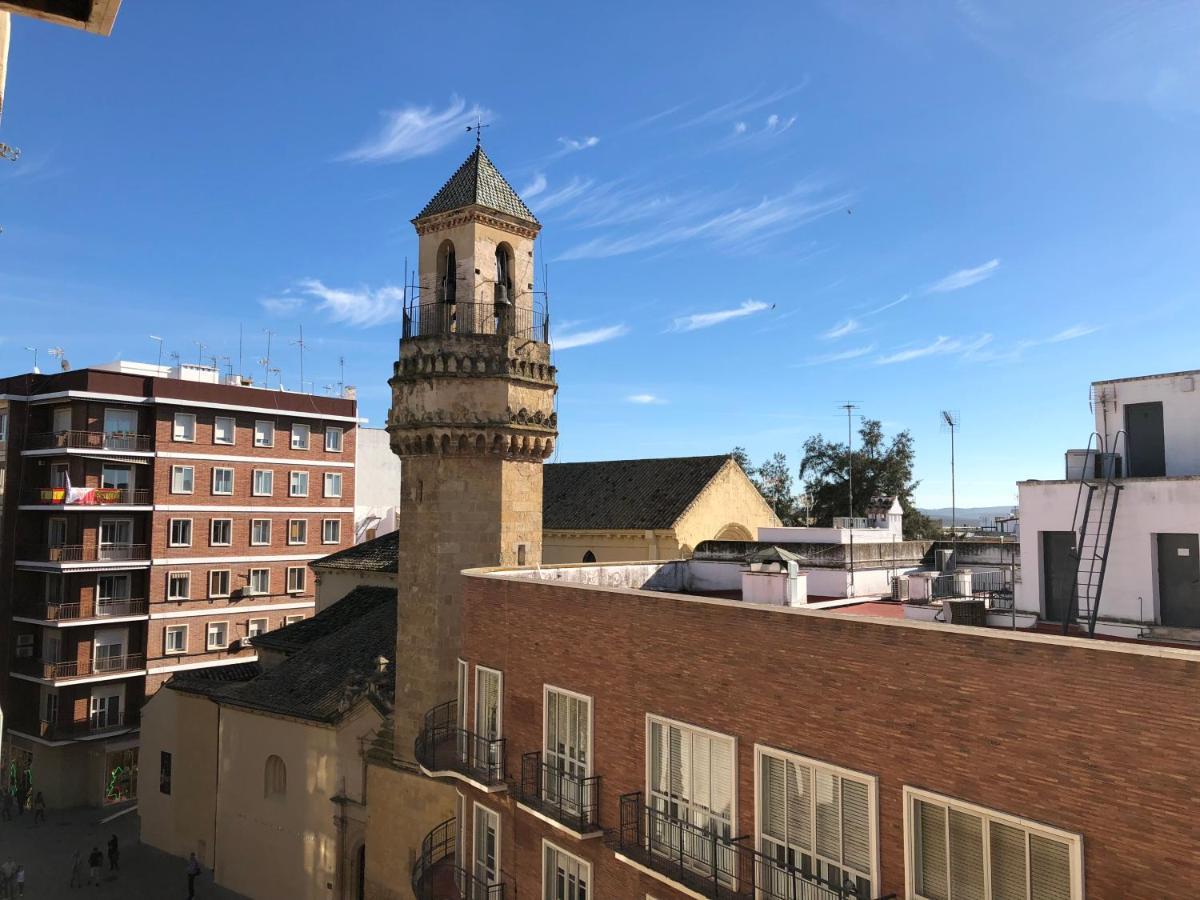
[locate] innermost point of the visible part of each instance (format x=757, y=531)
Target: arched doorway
x=734, y=532
x=360, y=872
x=589, y=557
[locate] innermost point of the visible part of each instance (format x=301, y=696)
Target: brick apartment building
x=151, y=520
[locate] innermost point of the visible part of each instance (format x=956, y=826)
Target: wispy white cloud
x=842, y=329
x=1017, y=350
x=586, y=338
x=841, y=356
x=413, y=131
x=964, y=278
x=707, y=320
x=880, y=309
x=940, y=346
x=361, y=306
x=773, y=125
x=740, y=127
x=645, y=399
x=738, y=109
x=1070, y=334
x=574, y=145
x=535, y=187
x=573, y=189
x=281, y=306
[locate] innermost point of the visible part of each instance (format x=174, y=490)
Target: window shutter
x=675, y=749
x=721, y=753
x=1008, y=862
x=829, y=825
x=1049, y=868
x=701, y=793
x=551, y=722
x=856, y=825
x=774, y=801
x=799, y=806
x=966, y=856
x=659, y=765
x=584, y=712
x=931, y=851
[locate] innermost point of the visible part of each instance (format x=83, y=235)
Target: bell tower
x=472, y=418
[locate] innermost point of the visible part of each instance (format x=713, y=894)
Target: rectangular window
x=182, y=479
x=179, y=585
x=331, y=531
x=260, y=532
x=486, y=862
x=961, y=850
x=56, y=533
x=264, y=483
x=175, y=639
x=3, y=426
x=111, y=588
x=814, y=820
x=297, y=531
x=222, y=481
x=218, y=583
x=164, y=772
x=221, y=534
x=333, y=439
x=255, y=627
x=568, y=747
x=224, y=430
x=115, y=533
x=181, y=533
x=691, y=780
x=260, y=581
x=218, y=635
x=185, y=427
x=488, y=703
x=292, y=620
x=295, y=579
x=564, y=876
x=333, y=484
x=297, y=484
x=300, y=435
x=264, y=433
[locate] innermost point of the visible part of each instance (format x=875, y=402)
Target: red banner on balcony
x=80, y=496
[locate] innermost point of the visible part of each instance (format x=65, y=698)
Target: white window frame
x=591, y=709
x=3, y=425
x=254, y=542
x=254, y=491
x=306, y=430
x=331, y=430
x=167, y=632
x=1073, y=841
x=292, y=492
x=476, y=808
x=499, y=702
x=212, y=538
x=871, y=781
x=230, y=470
x=303, y=580
x=293, y=543
x=228, y=592
x=179, y=573
x=292, y=620
x=171, y=542
x=250, y=582
x=208, y=636
x=324, y=535
x=191, y=477
x=548, y=889
x=269, y=440
x=232, y=430
x=335, y=478
x=253, y=631
x=183, y=418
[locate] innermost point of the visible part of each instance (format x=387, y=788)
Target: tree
x=880, y=468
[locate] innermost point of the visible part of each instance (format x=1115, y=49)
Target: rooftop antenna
x=241, y=368
x=201, y=347
x=478, y=129
x=850, y=406
x=34, y=351
x=950, y=422
x=265, y=362
x=300, y=343
x=329, y=388
x=279, y=375
x=155, y=337
x=228, y=365
x=175, y=357
x=57, y=353
x=341, y=375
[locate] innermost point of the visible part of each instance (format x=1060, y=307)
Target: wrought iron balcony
x=62, y=670
x=443, y=746
x=715, y=866
x=127, y=441
x=86, y=496
x=437, y=875
x=94, y=726
x=566, y=798
x=99, y=609
x=84, y=553
x=442, y=317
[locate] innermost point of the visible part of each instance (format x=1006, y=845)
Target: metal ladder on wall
x=1095, y=512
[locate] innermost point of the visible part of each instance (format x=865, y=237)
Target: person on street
x=193, y=870
x=39, y=808
x=76, y=870
x=20, y=881
x=95, y=861
x=6, y=807
x=114, y=855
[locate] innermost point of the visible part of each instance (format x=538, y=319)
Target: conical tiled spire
x=477, y=182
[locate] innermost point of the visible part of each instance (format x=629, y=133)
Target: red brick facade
x=1094, y=738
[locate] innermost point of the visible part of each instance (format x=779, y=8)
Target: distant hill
x=969, y=515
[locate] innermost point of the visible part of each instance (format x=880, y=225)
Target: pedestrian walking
x=8, y=871
x=95, y=861
x=39, y=808
x=76, y=870
x=20, y=881
x=22, y=798
x=114, y=855
x=6, y=808
x=193, y=870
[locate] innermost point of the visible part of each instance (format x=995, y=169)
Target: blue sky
x=751, y=213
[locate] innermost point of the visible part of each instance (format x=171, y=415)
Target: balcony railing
x=84, y=553
x=94, y=726
x=709, y=864
x=86, y=496
x=64, y=612
x=566, y=798
x=436, y=874
x=127, y=441
x=994, y=584
x=85, y=668
x=443, y=746
x=440, y=317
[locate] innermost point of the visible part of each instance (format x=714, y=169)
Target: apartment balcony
x=69, y=670
x=445, y=749
x=437, y=874
x=711, y=865
x=92, y=727
x=571, y=801
x=71, y=553
x=86, y=498
x=76, y=611
x=120, y=441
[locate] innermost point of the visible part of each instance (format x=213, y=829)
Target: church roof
x=477, y=183
x=381, y=554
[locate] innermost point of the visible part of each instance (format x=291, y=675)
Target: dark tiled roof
x=379, y=554
x=215, y=681
x=477, y=182
x=333, y=618
x=626, y=493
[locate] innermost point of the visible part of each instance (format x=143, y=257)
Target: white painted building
x=377, y=485
x=1149, y=427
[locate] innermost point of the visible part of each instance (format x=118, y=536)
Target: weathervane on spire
x=478, y=129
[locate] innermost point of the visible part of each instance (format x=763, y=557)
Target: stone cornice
x=492, y=440
x=479, y=214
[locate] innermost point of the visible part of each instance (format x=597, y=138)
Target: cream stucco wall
x=334, y=584
x=560, y=547
x=730, y=501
